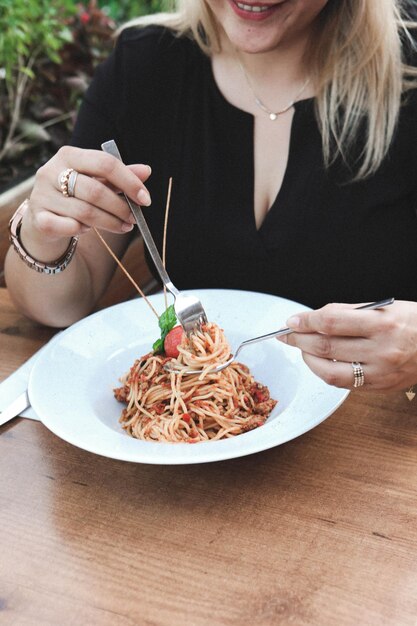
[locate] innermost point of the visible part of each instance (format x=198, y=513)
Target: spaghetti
x=172, y=407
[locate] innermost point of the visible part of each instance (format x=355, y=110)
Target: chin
x=259, y=37
x=254, y=43
x=254, y=48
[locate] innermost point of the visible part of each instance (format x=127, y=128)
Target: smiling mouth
x=254, y=8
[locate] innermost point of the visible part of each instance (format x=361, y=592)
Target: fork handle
x=287, y=331
x=111, y=148
x=153, y=250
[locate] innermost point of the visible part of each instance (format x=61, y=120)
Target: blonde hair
x=356, y=63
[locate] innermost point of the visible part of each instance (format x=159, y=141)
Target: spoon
x=277, y=333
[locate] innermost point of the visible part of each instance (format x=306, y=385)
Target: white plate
x=71, y=383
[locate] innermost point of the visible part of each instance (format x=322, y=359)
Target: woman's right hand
x=52, y=217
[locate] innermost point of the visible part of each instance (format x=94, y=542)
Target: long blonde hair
x=356, y=63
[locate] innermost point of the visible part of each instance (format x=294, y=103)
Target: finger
x=142, y=171
x=90, y=215
x=340, y=319
x=341, y=374
x=51, y=225
x=95, y=193
x=329, y=347
x=337, y=374
x=100, y=164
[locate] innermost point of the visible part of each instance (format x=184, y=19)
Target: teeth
x=251, y=8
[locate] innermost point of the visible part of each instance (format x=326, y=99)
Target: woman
x=288, y=127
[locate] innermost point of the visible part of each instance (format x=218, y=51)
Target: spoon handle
x=287, y=331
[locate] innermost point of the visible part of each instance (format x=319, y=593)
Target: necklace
x=272, y=114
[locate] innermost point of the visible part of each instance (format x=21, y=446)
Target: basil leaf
x=158, y=346
x=166, y=322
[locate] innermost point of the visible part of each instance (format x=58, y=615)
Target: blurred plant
x=30, y=32
x=123, y=10
x=48, y=52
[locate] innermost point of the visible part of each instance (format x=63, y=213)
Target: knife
x=15, y=408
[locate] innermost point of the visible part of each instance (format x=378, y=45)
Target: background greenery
x=48, y=52
x=123, y=10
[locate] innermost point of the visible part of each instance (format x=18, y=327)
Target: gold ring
x=358, y=374
x=63, y=180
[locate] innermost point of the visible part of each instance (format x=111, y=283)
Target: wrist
x=32, y=252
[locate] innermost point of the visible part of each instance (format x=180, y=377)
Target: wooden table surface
x=319, y=531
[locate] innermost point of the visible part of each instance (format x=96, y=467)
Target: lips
x=255, y=11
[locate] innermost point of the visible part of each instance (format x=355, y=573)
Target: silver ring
x=63, y=181
x=71, y=183
x=358, y=374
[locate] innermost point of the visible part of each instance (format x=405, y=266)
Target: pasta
x=174, y=407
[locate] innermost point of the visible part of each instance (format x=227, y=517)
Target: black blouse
x=325, y=239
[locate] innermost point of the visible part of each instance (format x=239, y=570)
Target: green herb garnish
x=166, y=322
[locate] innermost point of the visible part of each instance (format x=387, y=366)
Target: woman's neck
x=281, y=69
x=271, y=79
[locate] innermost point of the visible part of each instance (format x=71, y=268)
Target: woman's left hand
x=382, y=341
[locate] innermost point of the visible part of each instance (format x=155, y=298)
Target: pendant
x=410, y=394
x=273, y=116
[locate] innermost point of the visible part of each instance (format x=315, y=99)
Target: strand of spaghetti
x=179, y=402
x=164, y=240
x=152, y=371
x=122, y=267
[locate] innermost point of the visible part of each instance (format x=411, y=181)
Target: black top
x=323, y=240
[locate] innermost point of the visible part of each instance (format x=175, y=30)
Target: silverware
x=276, y=333
x=15, y=408
x=189, y=310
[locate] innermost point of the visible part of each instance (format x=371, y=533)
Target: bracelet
x=43, y=268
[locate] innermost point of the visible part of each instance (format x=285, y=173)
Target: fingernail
x=283, y=339
x=293, y=322
x=126, y=227
x=150, y=170
x=144, y=197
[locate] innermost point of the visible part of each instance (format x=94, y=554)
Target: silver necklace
x=273, y=115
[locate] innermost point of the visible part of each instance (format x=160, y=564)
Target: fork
x=276, y=333
x=188, y=309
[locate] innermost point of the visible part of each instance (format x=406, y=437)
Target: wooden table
x=319, y=531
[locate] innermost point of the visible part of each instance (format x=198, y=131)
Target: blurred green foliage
x=29, y=32
x=48, y=52
x=123, y=10
x=28, y=29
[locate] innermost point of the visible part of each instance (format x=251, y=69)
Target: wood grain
x=319, y=531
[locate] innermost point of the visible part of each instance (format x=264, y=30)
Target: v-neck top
x=324, y=239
